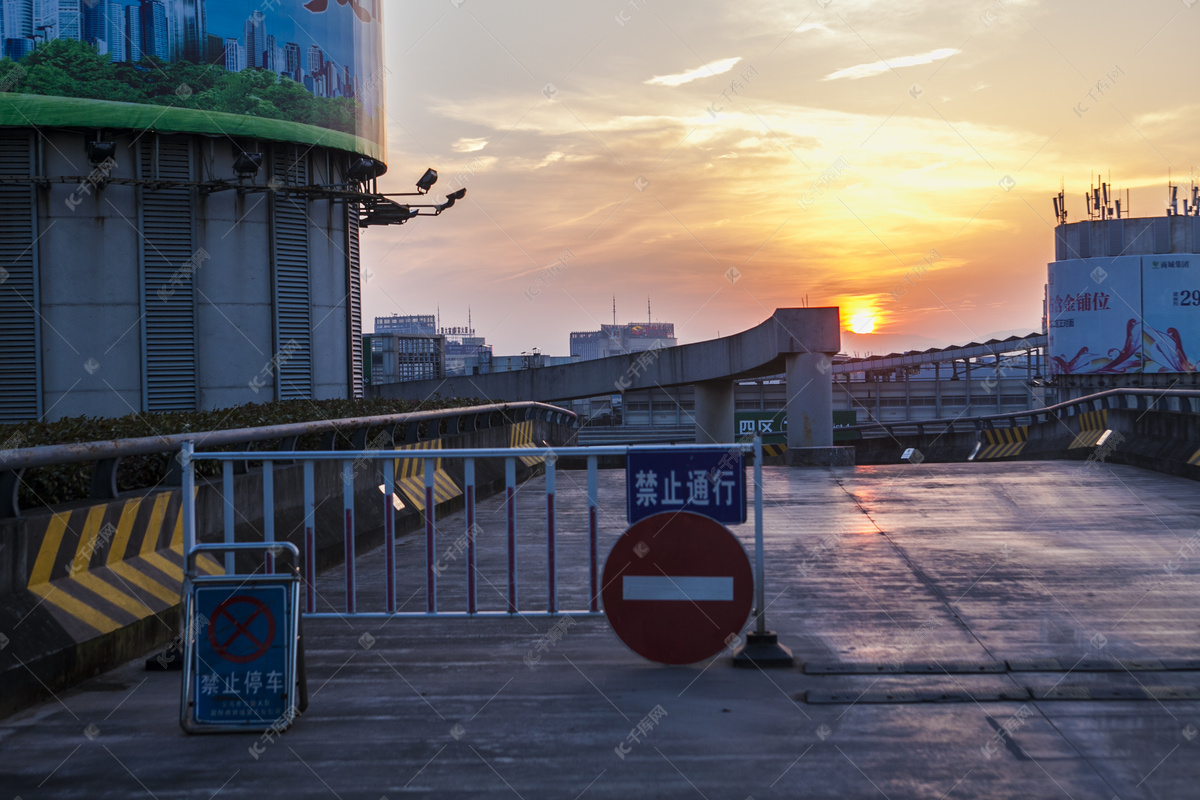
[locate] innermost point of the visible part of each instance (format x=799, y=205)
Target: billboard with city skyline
x=307, y=71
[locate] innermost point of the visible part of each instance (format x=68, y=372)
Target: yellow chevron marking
x=79, y=610
x=88, y=536
x=79, y=567
x=410, y=477
x=39, y=579
x=49, y=552
x=117, y=563
x=1092, y=425
x=1004, y=442
x=153, y=533
x=1195, y=459
x=154, y=524
x=521, y=436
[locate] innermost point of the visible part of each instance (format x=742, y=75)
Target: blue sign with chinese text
x=711, y=482
x=243, y=651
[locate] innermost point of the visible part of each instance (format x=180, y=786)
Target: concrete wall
x=88, y=242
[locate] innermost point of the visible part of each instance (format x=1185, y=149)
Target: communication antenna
x=649, y=319
x=614, y=309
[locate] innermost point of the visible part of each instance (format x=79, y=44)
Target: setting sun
x=862, y=322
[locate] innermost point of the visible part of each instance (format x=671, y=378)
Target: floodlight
x=99, y=152
x=427, y=180
x=247, y=165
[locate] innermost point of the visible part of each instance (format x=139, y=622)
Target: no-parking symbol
x=241, y=629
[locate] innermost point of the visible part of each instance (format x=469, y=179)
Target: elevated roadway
x=798, y=342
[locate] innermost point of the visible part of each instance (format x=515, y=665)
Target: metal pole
x=348, y=514
x=227, y=516
x=551, y=544
x=389, y=530
x=510, y=497
x=269, y=511
x=469, y=480
x=310, y=539
x=430, y=541
x=189, y=500
x=593, y=508
x=759, y=589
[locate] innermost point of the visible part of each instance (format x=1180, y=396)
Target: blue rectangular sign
x=243, y=654
x=711, y=482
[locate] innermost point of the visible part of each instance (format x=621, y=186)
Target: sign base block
x=763, y=650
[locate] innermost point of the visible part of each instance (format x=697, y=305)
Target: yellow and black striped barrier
x=410, y=477
x=1092, y=425
x=774, y=449
x=1003, y=442
x=104, y=567
x=1195, y=459
x=521, y=435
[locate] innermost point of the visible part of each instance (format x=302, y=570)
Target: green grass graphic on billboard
x=309, y=72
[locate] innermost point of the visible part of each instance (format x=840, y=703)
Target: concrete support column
x=714, y=412
x=810, y=400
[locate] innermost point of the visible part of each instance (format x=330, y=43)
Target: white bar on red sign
x=680, y=587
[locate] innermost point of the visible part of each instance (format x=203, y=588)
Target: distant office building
x=235, y=55
x=413, y=323
x=534, y=360
x=396, y=357
x=18, y=28
x=615, y=340
x=133, y=33
x=62, y=19
x=254, y=39
x=291, y=59
x=188, y=26
x=155, y=39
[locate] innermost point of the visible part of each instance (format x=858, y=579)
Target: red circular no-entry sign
x=677, y=585
x=241, y=629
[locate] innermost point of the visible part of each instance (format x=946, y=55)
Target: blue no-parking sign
x=710, y=481
x=243, y=655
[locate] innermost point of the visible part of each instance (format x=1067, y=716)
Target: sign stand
x=762, y=647
x=242, y=651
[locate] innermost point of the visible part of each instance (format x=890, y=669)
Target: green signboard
x=772, y=425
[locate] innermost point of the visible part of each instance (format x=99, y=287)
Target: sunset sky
x=728, y=159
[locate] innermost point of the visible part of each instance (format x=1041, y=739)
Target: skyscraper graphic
x=70, y=17
x=188, y=30
x=133, y=33
x=254, y=37
x=156, y=40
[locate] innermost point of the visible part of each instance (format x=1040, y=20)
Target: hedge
x=47, y=486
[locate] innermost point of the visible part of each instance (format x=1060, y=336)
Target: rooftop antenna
x=1060, y=203
x=1172, y=196
x=649, y=319
x=614, y=310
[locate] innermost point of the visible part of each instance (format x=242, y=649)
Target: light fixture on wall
x=247, y=165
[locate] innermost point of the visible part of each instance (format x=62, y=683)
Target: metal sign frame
x=289, y=628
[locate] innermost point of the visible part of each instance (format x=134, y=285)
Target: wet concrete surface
x=968, y=575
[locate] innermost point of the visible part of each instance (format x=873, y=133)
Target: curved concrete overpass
x=797, y=341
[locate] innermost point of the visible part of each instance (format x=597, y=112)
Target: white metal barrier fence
x=348, y=460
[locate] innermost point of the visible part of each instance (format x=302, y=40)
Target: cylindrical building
x=1123, y=304
x=193, y=243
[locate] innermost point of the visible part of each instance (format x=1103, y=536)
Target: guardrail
x=1186, y=401
x=107, y=455
x=430, y=459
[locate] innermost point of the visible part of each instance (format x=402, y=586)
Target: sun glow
x=862, y=322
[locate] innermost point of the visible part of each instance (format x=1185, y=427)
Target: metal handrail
x=1034, y=413
x=47, y=455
